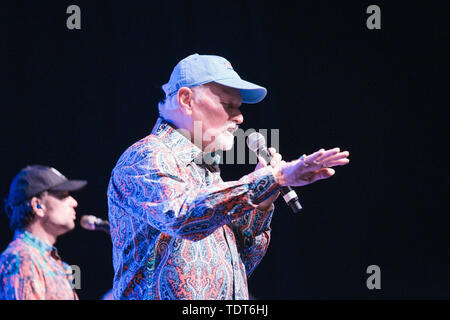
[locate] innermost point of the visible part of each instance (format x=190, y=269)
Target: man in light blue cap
x=178, y=230
x=213, y=77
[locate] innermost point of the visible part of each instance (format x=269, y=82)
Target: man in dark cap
x=40, y=210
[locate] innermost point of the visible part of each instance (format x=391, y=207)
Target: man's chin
x=223, y=143
x=226, y=144
x=70, y=226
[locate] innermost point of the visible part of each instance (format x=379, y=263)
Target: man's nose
x=74, y=202
x=237, y=117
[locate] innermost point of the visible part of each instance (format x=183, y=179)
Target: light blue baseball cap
x=198, y=69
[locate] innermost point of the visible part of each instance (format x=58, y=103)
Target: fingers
x=327, y=154
x=276, y=158
x=312, y=157
x=338, y=159
x=262, y=162
x=321, y=174
x=326, y=158
x=340, y=162
x=335, y=156
x=311, y=168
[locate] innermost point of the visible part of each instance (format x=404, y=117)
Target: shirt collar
x=183, y=148
x=35, y=242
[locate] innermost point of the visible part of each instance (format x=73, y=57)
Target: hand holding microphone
x=303, y=171
x=257, y=143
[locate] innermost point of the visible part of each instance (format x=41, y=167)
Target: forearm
x=206, y=210
x=181, y=210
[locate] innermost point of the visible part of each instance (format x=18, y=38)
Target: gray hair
x=167, y=106
x=170, y=104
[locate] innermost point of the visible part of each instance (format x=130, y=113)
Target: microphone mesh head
x=256, y=141
x=88, y=222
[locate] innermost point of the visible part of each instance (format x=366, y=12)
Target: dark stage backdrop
x=76, y=99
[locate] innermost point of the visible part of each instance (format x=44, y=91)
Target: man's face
x=217, y=109
x=59, y=212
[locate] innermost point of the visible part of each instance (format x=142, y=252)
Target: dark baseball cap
x=34, y=179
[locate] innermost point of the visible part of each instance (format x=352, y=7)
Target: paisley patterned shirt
x=31, y=269
x=178, y=230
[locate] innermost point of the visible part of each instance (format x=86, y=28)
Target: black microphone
x=257, y=143
x=93, y=223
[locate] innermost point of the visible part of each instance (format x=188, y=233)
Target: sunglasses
x=59, y=194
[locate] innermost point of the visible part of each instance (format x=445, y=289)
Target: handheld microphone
x=93, y=223
x=257, y=143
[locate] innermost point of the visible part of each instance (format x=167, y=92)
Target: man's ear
x=185, y=97
x=37, y=206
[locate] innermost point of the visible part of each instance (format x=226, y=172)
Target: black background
x=76, y=99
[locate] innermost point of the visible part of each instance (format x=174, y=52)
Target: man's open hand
x=311, y=168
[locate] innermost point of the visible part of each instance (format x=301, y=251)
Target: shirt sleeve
x=252, y=233
x=154, y=187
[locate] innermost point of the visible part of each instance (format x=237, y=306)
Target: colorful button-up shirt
x=178, y=230
x=31, y=269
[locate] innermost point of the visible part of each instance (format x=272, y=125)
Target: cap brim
x=69, y=185
x=250, y=92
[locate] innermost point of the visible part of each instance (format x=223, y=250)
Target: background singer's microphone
x=92, y=223
x=257, y=143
